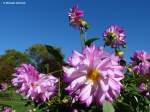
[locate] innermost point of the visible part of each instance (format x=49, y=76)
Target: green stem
x=82, y=38
x=59, y=91
x=56, y=71
x=47, y=68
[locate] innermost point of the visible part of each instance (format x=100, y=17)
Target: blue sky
x=46, y=21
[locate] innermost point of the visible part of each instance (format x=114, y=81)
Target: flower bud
x=119, y=52
x=83, y=22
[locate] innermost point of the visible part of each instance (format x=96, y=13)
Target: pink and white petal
x=114, y=84
x=109, y=97
x=76, y=58
x=68, y=71
x=74, y=74
x=103, y=63
x=79, y=80
x=89, y=101
x=110, y=73
x=104, y=85
x=101, y=98
x=85, y=92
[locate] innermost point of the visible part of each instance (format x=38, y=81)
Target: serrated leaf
x=108, y=107
x=90, y=41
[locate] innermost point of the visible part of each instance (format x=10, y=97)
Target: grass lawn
x=10, y=98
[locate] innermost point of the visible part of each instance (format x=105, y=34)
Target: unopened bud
x=83, y=22
x=120, y=53
x=129, y=69
x=124, y=46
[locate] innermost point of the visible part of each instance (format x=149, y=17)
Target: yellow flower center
x=113, y=35
x=93, y=75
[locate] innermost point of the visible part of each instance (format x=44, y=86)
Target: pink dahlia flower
x=7, y=109
x=114, y=36
x=3, y=86
x=75, y=16
x=141, y=62
x=37, y=86
x=143, y=89
x=94, y=75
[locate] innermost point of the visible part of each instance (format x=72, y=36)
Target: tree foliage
x=9, y=61
x=46, y=58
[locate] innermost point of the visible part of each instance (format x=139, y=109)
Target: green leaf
x=108, y=107
x=123, y=106
x=90, y=41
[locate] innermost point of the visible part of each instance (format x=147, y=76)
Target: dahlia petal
x=114, y=84
x=76, y=59
x=85, y=92
x=111, y=73
x=68, y=71
x=103, y=63
x=89, y=101
x=104, y=85
x=78, y=80
x=109, y=97
x=104, y=74
x=101, y=98
x=72, y=73
x=74, y=83
x=39, y=89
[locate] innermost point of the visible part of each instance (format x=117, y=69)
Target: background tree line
x=45, y=58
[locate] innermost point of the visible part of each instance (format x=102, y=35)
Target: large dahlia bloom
x=141, y=62
x=94, y=75
x=34, y=85
x=75, y=17
x=114, y=36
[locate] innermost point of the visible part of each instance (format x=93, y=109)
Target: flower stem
x=82, y=38
x=59, y=91
x=56, y=71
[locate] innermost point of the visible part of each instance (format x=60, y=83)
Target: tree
x=9, y=61
x=46, y=58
